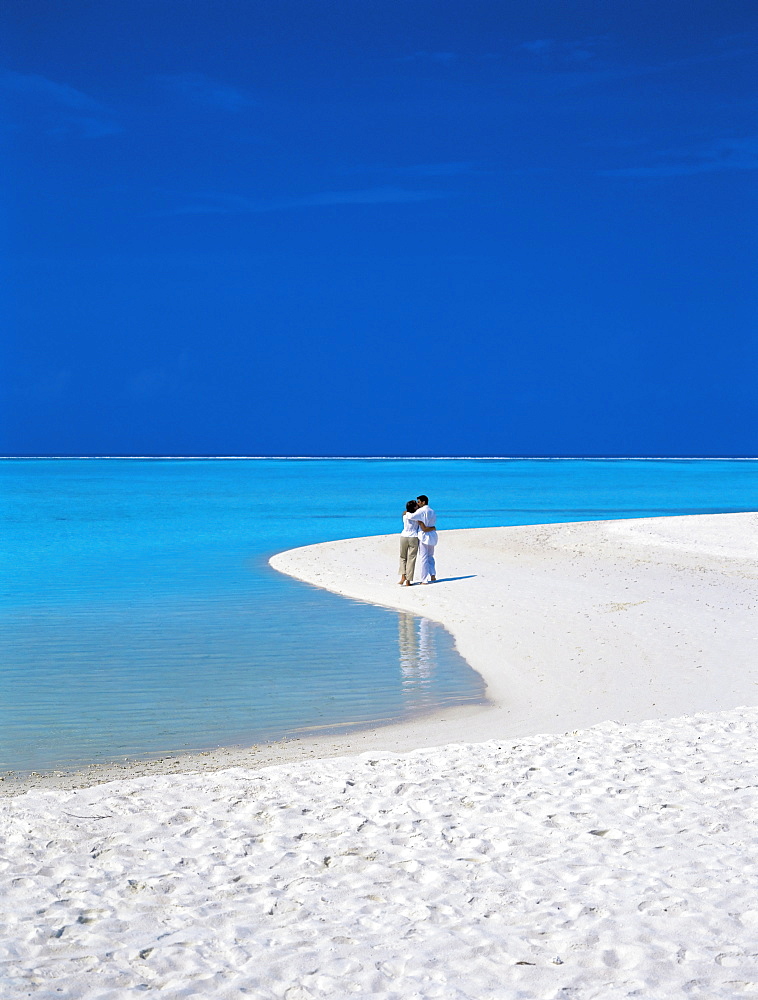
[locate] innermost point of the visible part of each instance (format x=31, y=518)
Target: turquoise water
x=140, y=616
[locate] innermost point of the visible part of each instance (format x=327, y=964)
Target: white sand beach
x=574, y=624
x=591, y=833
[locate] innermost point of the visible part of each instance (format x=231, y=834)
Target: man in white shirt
x=426, y=520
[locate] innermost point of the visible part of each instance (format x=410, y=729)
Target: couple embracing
x=418, y=538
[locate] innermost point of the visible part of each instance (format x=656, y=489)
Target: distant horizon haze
x=387, y=458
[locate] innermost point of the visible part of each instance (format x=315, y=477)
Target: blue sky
x=375, y=227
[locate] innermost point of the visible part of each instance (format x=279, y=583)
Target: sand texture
x=615, y=862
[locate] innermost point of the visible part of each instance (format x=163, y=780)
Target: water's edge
x=314, y=742
x=185, y=539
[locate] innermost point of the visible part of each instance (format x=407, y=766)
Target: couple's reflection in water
x=418, y=654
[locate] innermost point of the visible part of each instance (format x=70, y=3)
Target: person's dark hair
x=422, y=499
x=411, y=507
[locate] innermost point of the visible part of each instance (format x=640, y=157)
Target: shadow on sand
x=451, y=579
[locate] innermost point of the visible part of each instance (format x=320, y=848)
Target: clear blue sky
x=375, y=227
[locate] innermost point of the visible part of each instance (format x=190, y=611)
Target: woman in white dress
x=426, y=522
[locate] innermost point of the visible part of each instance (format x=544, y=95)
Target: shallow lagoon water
x=141, y=618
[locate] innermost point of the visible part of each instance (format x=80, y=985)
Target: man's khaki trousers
x=408, y=553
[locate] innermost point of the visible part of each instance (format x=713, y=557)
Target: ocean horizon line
x=382, y=458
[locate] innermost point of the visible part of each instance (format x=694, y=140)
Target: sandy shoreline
x=479, y=864
x=612, y=862
x=569, y=624
x=574, y=624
